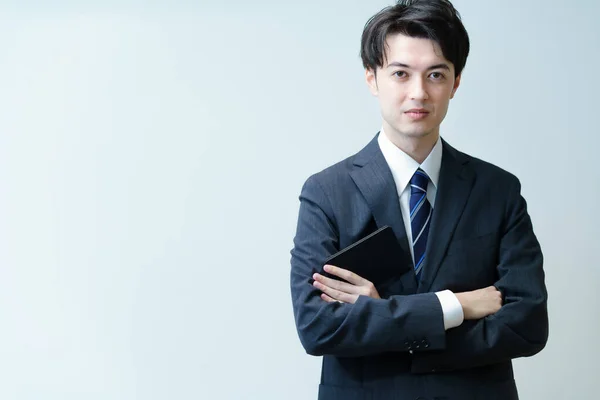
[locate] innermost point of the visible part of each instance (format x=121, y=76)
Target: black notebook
x=376, y=257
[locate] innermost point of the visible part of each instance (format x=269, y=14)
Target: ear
x=371, y=80
x=456, y=85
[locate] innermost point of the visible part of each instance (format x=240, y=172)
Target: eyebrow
x=436, y=66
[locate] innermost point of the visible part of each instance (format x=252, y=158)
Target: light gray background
x=151, y=157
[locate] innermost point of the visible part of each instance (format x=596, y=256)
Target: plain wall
x=151, y=158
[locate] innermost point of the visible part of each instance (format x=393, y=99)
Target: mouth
x=417, y=113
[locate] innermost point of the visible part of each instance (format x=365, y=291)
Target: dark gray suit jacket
x=396, y=347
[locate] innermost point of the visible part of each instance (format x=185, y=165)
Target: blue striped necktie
x=420, y=217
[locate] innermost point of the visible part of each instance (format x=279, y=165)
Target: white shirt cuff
x=451, y=308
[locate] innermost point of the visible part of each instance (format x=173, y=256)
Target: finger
x=346, y=275
x=338, y=285
x=329, y=299
x=333, y=293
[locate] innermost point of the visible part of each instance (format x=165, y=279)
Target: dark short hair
x=437, y=20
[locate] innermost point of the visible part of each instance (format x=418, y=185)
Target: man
x=474, y=296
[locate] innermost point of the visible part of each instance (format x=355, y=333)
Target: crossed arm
x=476, y=304
x=349, y=319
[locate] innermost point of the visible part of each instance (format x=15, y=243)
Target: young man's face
x=414, y=87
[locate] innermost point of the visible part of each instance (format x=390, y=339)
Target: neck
x=417, y=147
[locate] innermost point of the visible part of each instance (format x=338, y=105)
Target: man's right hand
x=480, y=303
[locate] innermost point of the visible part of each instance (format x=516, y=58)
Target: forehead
x=416, y=52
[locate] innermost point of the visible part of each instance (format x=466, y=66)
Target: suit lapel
x=376, y=183
x=454, y=187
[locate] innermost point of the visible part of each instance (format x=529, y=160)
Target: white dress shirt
x=403, y=168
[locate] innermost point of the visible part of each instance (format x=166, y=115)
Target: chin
x=417, y=133
x=413, y=130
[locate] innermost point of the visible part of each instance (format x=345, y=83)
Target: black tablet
x=376, y=257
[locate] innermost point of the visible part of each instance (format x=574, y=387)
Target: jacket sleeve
x=520, y=327
x=366, y=327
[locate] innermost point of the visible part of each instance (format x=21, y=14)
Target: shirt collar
x=403, y=166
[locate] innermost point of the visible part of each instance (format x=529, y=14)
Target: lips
x=417, y=114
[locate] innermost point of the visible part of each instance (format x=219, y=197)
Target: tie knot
x=419, y=181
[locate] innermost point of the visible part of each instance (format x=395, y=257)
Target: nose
x=418, y=91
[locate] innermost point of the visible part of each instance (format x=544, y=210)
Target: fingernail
x=327, y=268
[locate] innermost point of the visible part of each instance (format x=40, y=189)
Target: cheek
x=386, y=99
x=442, y=101
x=441, y=110
x=392, y=98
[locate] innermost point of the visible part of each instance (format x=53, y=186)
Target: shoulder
x=329, y=184
x=333, y=173
x=338, y=176
x=485, y=171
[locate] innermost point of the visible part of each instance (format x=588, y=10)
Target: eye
x=437, y=76
x=400, y=74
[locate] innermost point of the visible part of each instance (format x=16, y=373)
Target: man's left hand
x=344, y=292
